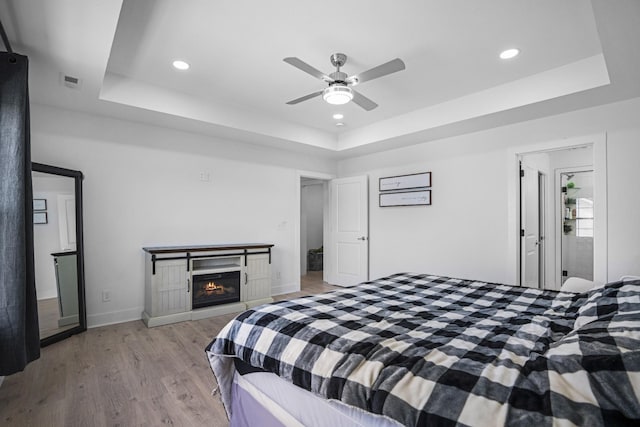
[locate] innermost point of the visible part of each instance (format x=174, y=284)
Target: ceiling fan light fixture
x=337, y=94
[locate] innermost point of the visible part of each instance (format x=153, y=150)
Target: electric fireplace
x=215, y=288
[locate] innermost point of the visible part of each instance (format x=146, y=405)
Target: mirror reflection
x=55, y=255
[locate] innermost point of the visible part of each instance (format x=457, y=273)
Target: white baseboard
x=285, y=288
x=104, y=319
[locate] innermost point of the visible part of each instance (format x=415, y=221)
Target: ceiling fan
x=340, y=89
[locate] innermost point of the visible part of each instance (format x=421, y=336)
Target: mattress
x=264, y=399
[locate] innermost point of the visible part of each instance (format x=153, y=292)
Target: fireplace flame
x=213, y=288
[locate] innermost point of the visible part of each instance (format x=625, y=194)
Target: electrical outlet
x=106, y=295
x=278, y=276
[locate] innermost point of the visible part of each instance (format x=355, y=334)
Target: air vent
x=70, y=81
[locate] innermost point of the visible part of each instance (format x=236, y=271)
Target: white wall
x=624, y=202
x=142, y=187
x=465, y=231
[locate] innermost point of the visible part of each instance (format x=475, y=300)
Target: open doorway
x=577, y=228
x=548, y=251
x=345, y=229
x=312, y=211
x=312, y=203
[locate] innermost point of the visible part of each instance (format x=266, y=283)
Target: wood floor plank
x=125, y=375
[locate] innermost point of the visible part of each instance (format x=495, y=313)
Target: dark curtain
x=19, y=335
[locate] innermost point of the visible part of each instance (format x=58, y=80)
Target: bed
x=417, y=350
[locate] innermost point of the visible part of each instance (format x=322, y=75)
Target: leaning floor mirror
x=58, y=252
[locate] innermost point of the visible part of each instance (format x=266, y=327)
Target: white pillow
x=577, y=285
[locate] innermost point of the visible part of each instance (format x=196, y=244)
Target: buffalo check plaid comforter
x=429, y=350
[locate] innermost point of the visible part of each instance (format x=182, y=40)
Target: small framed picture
x=40, y=218
x=405, y=182
x=407, y=198
x=39, y=204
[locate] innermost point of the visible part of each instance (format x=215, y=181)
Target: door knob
x=362, y=238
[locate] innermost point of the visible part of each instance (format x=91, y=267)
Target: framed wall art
x=40, y=218
x=39, y=204
x=405, y=182
x=405, y=198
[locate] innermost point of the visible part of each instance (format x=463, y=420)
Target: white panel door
x=531, y=226
x=350, y=230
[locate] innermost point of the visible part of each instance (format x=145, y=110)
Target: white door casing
x=531, y=226
x=599, y=166
x=350, y=230
x=542, y=229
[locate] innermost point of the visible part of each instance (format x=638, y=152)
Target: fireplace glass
x=215, y=288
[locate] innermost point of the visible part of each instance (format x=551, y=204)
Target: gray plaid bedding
x=428, y=350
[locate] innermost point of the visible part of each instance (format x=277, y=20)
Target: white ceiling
x=575, y=54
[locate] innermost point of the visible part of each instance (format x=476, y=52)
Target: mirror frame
x=82, y=310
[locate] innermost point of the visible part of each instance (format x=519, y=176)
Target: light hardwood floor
x=125, y=375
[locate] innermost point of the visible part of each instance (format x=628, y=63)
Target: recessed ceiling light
x=339, y=124
x=180, y=65
x=338, y=116
x=509, y=53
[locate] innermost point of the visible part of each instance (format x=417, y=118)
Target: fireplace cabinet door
x=169, y=288
x=258, y=279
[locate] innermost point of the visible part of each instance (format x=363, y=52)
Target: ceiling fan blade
x=304, y=98
x=363, y=101
x=300, y=64
x=379, y=71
